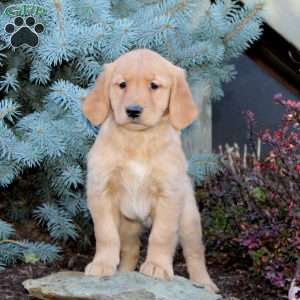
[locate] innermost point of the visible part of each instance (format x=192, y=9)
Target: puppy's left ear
x=182, y=108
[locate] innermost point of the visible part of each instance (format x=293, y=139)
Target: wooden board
x=284, y=17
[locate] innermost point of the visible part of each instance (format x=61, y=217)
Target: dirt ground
x=234, y=282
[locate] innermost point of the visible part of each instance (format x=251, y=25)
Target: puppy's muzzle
x=134, y=111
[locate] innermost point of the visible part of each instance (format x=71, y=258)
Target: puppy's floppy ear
x=183, y=111
x=96, y=105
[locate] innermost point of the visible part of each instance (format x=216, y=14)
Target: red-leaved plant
x=252, y=206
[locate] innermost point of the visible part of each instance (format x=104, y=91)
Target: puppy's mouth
x=135, y=124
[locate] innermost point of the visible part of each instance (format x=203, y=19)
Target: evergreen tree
x=42, y=129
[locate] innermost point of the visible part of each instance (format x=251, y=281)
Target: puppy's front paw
x=157, y=270
x=208, y=284
x=99, y=269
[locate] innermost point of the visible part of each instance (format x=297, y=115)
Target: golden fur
x=137, y=171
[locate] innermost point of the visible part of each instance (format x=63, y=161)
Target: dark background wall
x=253, y=89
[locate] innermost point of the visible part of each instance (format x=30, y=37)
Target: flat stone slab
x=122, y=286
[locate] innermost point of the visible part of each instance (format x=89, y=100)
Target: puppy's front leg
x=163, y=239
x=106, y=221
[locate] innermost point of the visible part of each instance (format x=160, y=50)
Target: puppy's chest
x=136, y=190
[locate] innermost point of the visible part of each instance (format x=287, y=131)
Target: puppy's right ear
x=96, y=105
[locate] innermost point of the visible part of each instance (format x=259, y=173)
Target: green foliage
x=39, y=251
x=42, y=128
x=9, y=110
x=202, y=165
x=260, y=195
x=9, y=81
x=6, y=230
x=12, y=251
x=58, y=222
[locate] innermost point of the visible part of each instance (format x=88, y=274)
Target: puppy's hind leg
x=163, y=238
x=190, y=235
x=130, y=244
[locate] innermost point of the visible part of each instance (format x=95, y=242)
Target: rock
x=122, y=286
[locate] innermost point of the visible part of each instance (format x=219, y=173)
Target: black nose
x=134, y=111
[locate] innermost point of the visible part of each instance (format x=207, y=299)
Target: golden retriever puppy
x=137, y=171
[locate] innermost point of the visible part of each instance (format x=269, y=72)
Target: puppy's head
x=138, y=89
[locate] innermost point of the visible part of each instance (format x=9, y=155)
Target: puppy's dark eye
x=122, y=85
x=154, y=86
